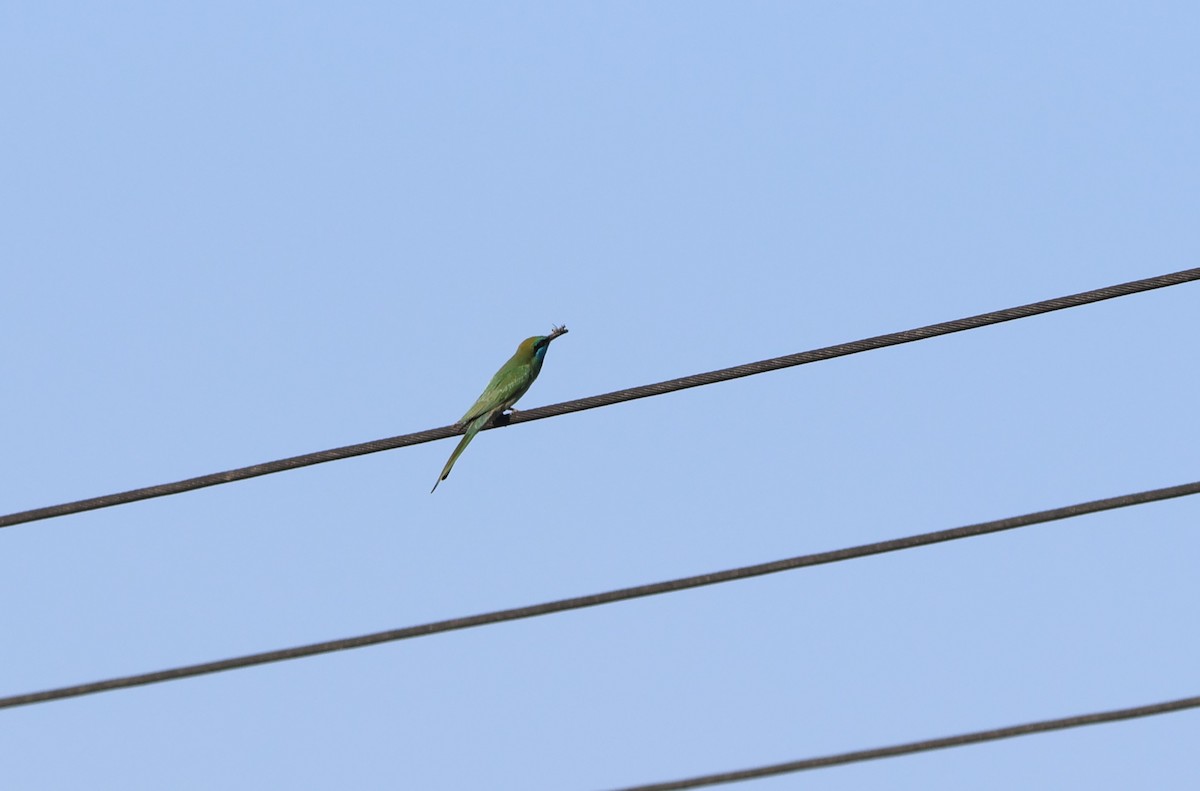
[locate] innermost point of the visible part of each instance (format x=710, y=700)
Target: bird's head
x=537, y=345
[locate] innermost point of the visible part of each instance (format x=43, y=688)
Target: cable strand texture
x=607, y=399
x=908, y=748
x=607, y=597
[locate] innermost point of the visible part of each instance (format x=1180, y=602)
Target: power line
x=697, y=380
x=607, y=597
x=894, y=750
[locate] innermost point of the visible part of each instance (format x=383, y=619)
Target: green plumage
x=510, y=383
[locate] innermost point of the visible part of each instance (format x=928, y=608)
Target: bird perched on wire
x=510, y=383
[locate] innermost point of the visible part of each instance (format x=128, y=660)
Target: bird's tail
x=472, y=429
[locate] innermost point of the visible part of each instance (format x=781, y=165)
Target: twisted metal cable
x=607, y=399
x=908, y=748
x=607, y=597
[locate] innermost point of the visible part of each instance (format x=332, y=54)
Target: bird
x=510, y=383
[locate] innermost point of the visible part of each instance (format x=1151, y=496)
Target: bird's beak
x=554, y=333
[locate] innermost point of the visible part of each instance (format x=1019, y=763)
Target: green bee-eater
x=509, y=384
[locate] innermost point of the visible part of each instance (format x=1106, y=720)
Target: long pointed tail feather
x=472, y=430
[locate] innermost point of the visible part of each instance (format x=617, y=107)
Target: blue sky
x=235, y=232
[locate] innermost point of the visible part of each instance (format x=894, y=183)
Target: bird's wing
x=502, y=392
